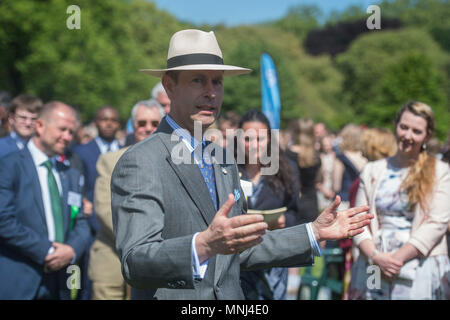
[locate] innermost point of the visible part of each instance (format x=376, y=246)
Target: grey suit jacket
x=158, y=204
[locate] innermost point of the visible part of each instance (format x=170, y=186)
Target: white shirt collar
x=38, y=156
x=103, y=145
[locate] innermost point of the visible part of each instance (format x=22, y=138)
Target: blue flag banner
x=271, y=104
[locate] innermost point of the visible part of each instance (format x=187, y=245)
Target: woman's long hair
x=420, y=179
x=283, y=179
x=303, y=137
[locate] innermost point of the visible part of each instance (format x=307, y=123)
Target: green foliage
x=98, y=64
x=90, y=67
x=371, y=65
x=299, y=20
x=308, y=85
x=413, y=77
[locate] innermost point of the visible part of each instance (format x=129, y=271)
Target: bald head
x=51, y=108
x=55, y=128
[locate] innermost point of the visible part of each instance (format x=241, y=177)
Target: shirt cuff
x=50, y=251
x=315, y=246
x=198, y=269
x=74, y=258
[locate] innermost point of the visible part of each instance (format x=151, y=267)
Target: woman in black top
x=269, y=192
x=303, y=153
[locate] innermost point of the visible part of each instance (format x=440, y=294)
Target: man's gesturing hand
x=333, y=225
x=229, y=235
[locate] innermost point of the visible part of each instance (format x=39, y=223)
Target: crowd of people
x=56, y=210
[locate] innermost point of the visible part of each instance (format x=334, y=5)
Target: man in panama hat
x=180, y=226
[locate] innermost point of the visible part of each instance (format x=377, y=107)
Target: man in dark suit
x=23, y=113
x=107, y=123
x=5, y=100
x=42, y=225
x=179, y=212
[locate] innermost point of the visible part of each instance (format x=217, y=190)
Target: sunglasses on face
x=143, y=123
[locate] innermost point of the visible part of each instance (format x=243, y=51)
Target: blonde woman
x=409, y=195
x=378, y=143
x=349, y=161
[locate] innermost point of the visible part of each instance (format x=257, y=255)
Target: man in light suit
x=181, y=227
x=23, y=113
x=42, y=225
x=104, y=265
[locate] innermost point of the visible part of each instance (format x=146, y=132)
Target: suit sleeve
x=148, y=259
x=78, y=238
x=13, y=234
x=289, y=247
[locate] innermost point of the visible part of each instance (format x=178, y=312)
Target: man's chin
x=205, y=121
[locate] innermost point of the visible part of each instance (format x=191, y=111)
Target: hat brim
x=228, y=71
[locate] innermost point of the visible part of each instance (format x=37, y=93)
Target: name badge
x=74, y=199
x=247, y=187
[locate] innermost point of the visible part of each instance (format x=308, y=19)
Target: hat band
x=193, y=58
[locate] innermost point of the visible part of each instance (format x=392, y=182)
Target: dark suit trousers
x=48, y=289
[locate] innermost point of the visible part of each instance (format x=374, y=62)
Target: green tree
x=413, y=77
x=371, y=55
x=308, y=85
x=299, y=20
x=90, y=67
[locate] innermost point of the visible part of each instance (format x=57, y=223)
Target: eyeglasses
x=143, y=123
x=22, y=118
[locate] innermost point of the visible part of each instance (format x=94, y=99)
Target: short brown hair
x=174, y=75
x=26, y=101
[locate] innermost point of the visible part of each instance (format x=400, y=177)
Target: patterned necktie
x=56, y=204
x=207, y=171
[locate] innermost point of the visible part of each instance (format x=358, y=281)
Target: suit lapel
x=224, y=186
x=193, y=181
x=188, y=172
x=31, y=172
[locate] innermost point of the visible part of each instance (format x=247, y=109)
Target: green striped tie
x=55, y=200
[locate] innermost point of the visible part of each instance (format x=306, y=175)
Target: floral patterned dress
x=419, y=279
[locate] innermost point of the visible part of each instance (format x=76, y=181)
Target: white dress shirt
x=103, y=145
x=20, y=143
x=39, y=158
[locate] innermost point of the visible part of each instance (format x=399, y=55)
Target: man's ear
x=38, y=126
x=168, y=84
x=11, y=119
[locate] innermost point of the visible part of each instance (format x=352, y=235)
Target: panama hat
x=195, y=50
